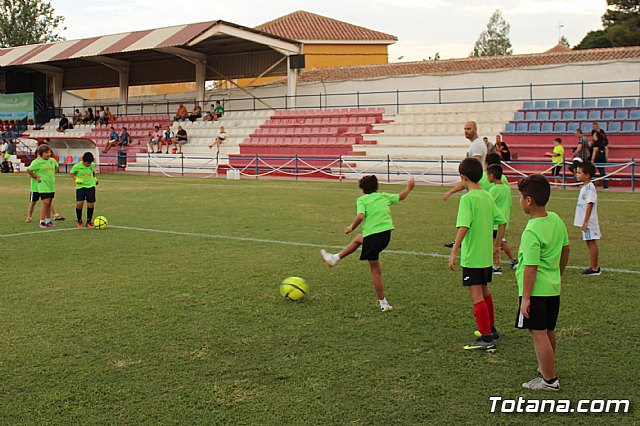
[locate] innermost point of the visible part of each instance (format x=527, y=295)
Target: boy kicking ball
x=372, y=210
x=543, y=256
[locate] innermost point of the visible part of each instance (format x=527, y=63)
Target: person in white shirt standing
x=587, y=215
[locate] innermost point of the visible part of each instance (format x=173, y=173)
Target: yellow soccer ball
x=100, y=222
x=293, y=288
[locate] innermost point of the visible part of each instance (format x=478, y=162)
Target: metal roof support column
x=292, y=83
x=201, y=72
x=123, y=82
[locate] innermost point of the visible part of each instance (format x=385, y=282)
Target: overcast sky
x=423, y=27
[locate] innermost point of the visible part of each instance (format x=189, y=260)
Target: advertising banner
x=16, y=106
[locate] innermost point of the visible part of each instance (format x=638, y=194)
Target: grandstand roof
x=470, y=64
x=154, y=54
x=306, y=26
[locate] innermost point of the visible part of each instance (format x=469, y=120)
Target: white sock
x=336, y=257
x=47, y=220
x=383, y=302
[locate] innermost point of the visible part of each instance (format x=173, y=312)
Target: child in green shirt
x=43, y=170
x=477, y=214
x=84, y=175
x=372, y=210
x=557, y=157
x=543, y=256
x=501, y=194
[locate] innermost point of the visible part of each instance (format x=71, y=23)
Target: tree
x=563, y=40
x=28, y=22
x=621, y=26
x=495, y=40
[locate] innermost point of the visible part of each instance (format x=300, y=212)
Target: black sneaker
x=590, y=271
x=451, y=244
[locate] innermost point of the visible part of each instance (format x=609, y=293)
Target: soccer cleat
x=480, y=345
x=89, y=225
x=79, y=225
x=514, y=264
x=28, y=219
x=496, y=270
x=328, y=258
x=451, y=244
x=386, y=308
x=58, y=217
x=540, y=384
x=590, y=271
x=42, y=225
x=494, y=333
x=50, y=225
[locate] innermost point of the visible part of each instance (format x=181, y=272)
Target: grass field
x=172, y=315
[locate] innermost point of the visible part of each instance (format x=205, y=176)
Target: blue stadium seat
x=531, y=116
x=608, y=114
x=552, y=104
x=556, y=116
x=616, y=103
x=510, y=128
x=521, y=128
x=602, y=103
x=568, y=115
x=634, y=114
x=543, y=116
x=630, y=103
x=546, y=128
x=622, y=114
x=527, y=105
x=581, y=115
x=594, y=115
x=603, y=126
x=518, y=116
x=540, y=105
x=534, y=128
x=614, y=127
x=628, y=127
x=576, y=104
x=560, y=128
x=564, y=104
x=586, y=127
x=572, y=127
x=589, y=103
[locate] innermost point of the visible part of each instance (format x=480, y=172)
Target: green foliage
x=595, y=40
x=172, y=315
x=28, y=22
x=621, y=26
x=565, y=41
x=494, y=41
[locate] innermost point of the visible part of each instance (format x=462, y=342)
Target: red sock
x=489, y=301
x=481, y=313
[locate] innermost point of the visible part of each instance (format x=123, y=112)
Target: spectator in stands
x=63, y=124
x=502, y=149
x=181, y=138
x=222, y=136
x=168, y=138
x=155, y=142
x=218, y=111
x=209, y=115
x=125, y=139
x=77, y=117
x=7, y=166
x=196, y=113
x=581, y=152
x=557, y=157
x=103, y=118
x=599, y=156
x=110, y=116
x=490, y=147
x=113, y=140
x=182, y=113
x=88, y=116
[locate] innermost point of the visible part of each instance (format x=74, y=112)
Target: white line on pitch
x=42, y=232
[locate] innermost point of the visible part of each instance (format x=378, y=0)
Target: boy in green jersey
x=43, y=170
x=375, y=215
x=543, y=256
x=557, y=157
x=501, y=194
x=477, y=214
x=84, y=175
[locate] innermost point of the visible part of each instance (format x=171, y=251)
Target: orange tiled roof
x=559, y=48
x=303, y=25
x=470, y=64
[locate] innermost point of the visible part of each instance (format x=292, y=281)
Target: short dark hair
x=578, y=131
x=87, y=157
x=588, y=168
x=537, y=187
x=43, y=148
x=495, y=170
x=492, y=158
x=471, y=168
x=368, y=184
x=558, y=140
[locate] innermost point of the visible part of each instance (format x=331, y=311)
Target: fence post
x=257, y=171
x=182, y=164
x=582, y=91
x=286, y=102
x=320, y=97
x=358, y=99
x=633, y=174
x=388, y=168
x=397, y=101
x=564, y=175
x=439, y=95
x=254, y=103
x=148, y=164
x=340, y=167
x=441, y=170
x=296, y=166
x=483, y=93
x=141, y=108
x=530, y=91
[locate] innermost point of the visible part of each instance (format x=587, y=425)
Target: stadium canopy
x=216, y=50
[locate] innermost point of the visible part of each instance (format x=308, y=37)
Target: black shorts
x=556, y=171
x=495, y=233
x=88, y=194
x=34, y=196
x=373, y=244
x=47, y=195
x=476, y=276
x=543, y=313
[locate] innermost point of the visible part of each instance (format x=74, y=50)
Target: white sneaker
x=539, y=384
x=386, y=308
x=328, y=258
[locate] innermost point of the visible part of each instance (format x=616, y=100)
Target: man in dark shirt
x=63, y=124
x=599, y=154
x=125, y=139
x=181, y=138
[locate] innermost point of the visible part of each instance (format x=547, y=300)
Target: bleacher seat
x=630, y=103
x=531, y=116
x=552, y=104
x=510, y=128
x=564, y=104
x=568, y=115
x=616, y=103
x=608, y=114
x=576, y=103
x=540, y=104
x=546, y=128
x=589, y=103
x=518, y=116
x=572, y=127
x=559, y=127
x=622, y=114
x=604, y=126
x=614, y=127
x=594, y=115
x=634, y=114
x=602, y=103
x=534, y=128
x=581, y=115
x=555, y=116
x=586, y=127
x=521, y=128
x=527, y=105
x=629, y=127
x=543, y=116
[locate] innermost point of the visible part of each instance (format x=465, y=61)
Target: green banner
x=16, y=106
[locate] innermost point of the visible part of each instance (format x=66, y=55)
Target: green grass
x=127, y=326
